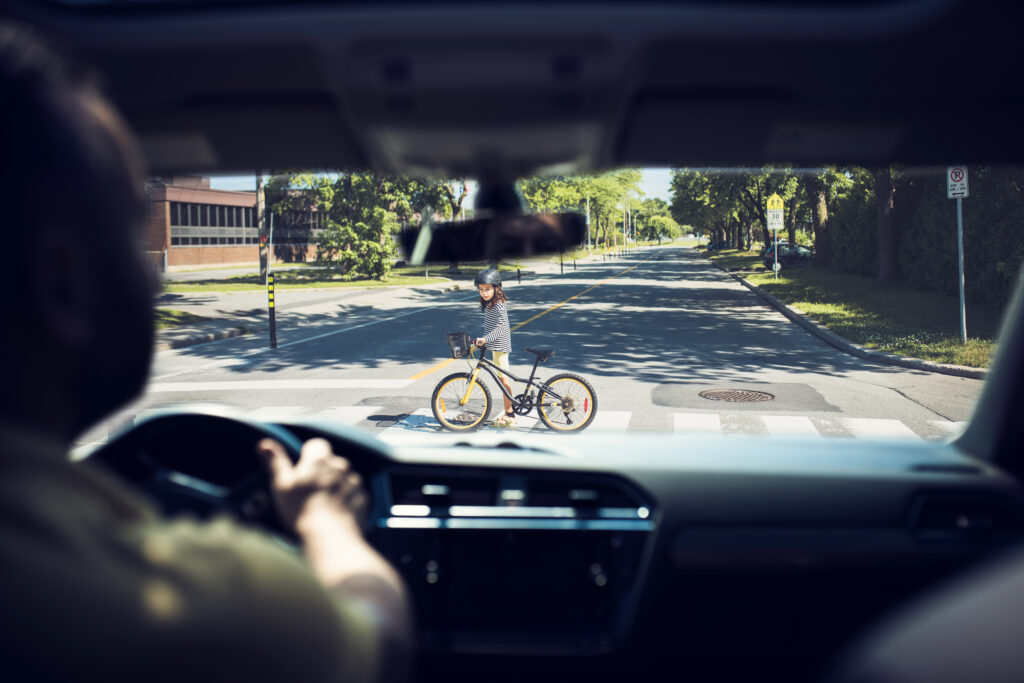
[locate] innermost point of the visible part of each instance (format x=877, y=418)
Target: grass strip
x=884, y=316
x=169, y=317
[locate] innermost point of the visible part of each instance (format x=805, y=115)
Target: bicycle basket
x=460, y=343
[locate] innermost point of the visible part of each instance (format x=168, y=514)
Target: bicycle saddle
x=542, y=354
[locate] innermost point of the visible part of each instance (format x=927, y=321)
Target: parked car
x=770, y=247
x=789, y=257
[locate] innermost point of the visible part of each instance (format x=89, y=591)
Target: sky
x=654, y=182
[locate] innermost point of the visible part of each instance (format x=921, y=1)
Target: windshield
x=814, y=302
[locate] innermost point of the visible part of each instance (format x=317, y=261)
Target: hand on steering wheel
x=320, y=483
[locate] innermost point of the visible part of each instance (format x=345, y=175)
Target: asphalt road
x=650, y=330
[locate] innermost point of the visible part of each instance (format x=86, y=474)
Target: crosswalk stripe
x=610, y=421
x=877, y=428
x=276, y=413
x=347, y=414
x=786, y=425
x=687, y=423
x=422, y=421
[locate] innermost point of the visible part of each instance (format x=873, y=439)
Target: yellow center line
x=442, y=364
x=449, y=361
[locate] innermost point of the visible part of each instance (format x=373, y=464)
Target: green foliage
x=359, y=213
x=853, y=234
x=604, y=194
x=993, y=248
x=925, y=223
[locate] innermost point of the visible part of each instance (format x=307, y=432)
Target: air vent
x=444, y=490
x=580, y=495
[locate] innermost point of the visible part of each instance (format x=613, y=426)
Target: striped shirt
x=496, y=330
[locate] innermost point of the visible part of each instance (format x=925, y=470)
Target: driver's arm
x=322, y=498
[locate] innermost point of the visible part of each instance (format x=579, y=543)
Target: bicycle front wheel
x=457, y=416
x=567, y=404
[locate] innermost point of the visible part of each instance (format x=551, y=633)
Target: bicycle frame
x=483, y=363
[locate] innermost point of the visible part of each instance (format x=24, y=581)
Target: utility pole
x=588, y=226
x=261, y=225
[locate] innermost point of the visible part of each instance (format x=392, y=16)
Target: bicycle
x=565, y=402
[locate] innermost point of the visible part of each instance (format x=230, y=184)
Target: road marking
x=696, y=422
x=877, y=428
x=275, y=384
x=276, y=413
x=424, y=373
x=562, y=303
x=354, y=327
x=785, y=425
x=610, y=421
x=347, y=414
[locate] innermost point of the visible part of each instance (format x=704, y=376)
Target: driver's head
x=77, y=330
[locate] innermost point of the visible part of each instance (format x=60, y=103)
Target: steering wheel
x=200, y=463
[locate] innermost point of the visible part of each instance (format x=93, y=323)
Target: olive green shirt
x=95, y=585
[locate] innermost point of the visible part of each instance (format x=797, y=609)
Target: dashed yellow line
x=442, y=364
x=560, y=304
x=446, y=363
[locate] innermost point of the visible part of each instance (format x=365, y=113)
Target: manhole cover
x=736, y=395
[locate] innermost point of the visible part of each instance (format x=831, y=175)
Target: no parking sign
x=956, y=182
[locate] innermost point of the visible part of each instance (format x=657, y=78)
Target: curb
x=203, y=338
x=843, y=344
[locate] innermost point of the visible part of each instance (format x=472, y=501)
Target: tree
x=359, y=213
x=661, y=226
x=815, y=188
x=604, y=193
x=885, y=195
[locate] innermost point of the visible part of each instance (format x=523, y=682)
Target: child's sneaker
x=507, y=421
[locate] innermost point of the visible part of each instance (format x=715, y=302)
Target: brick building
x=191, y=224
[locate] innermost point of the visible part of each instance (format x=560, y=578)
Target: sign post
x=775, y=224
x=956, y=188
x=270, y=306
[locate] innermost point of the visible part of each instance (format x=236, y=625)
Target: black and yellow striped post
x=270, y=305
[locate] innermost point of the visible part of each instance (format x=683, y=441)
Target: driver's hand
x=319, y=484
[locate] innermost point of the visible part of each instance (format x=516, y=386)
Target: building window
x=175, y=241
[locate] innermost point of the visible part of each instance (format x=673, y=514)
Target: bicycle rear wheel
x=465, y=417
x=573, y=405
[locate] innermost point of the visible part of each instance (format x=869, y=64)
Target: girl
x=497, y=334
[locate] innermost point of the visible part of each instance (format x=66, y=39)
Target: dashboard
x=617, y=557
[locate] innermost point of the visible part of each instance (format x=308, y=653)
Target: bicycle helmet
x=487, y=276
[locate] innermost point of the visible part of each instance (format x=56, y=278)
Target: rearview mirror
x=494, y=238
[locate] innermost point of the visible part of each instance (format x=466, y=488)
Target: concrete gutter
x=823, y=332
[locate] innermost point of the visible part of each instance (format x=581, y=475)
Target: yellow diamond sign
x=775, y=203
